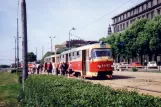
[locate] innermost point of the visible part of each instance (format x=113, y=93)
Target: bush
x=134, y=69
x=49, y=91
x=16, y=70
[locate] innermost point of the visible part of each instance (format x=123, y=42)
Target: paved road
x=147, y=83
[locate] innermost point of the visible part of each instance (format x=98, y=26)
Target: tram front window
x=101, y=53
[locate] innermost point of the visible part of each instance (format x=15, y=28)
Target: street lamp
x=69, y=35
x=51, y=41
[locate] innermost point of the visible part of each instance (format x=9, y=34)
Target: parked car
x=136, y=64
x=152, y=64
x=124, y=64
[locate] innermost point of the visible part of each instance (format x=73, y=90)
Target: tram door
x=66, y=58
x=83, y=62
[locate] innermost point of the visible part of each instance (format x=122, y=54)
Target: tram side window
x=78, y=54
x=70, y=58
x=93, y=54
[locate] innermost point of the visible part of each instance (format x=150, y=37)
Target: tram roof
x=96, y=45
x=51, y=56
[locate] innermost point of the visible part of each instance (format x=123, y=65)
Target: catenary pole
x=24, y=41
x=17, y=37
x=15, y=53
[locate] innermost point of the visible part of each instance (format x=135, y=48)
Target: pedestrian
x=60, y=68
x=45, y=66
x=63, y=68
x=70, y=71
x=57, y=68
x=49, y=68
x=41, y=68
x=37, y=68
x=54, y=68
x=66, y=68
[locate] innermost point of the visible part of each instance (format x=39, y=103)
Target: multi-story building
x=147, y=9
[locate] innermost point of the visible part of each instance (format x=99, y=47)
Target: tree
x=31, y=57
x=153, y=35
x=46, y=55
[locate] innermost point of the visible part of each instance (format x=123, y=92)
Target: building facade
x=147, y=9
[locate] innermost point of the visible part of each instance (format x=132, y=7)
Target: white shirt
x=70, y=66
x=53, y=65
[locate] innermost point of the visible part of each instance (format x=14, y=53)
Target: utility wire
x=105, y=15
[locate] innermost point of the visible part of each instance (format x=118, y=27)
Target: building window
x=143, y=16
x=121, y=27
x=152, y=15
x=147, y=15
x=140, y=9
x=146, y=5
x=124, y=26
x=130, y=21
x=143, y=7
x=124, y=16
x=152, y=3
x=131, y=13
x=158, y=11
x=127, y=24
x=118, y=28
x=114, y=29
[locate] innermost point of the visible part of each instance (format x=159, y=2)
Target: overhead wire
x=105, y=15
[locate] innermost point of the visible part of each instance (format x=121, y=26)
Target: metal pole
x=24, y=41
x=17, y=37
x=17, y=45
x=69, y=39
x=51, y=44
x=15, y=52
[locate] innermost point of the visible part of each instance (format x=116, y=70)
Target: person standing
x=38, y=68
x=49, y=68
x=70, y=71
x=54, y=68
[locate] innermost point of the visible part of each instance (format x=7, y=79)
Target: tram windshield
x=101, y=53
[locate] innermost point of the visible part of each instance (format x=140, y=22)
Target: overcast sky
x=55, y=18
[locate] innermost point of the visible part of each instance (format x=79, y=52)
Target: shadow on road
x=113, y=78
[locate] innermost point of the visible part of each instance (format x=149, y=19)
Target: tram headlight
x=99, y=66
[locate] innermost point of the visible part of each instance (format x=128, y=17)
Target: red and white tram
x=90, y=60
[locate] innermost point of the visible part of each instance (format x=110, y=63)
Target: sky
x=47, y=18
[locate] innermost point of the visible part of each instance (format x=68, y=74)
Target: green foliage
x=31, y=57
x=16, y=70
x=134, y=69
x=4, y=66
x=9, y=89
x=49, y=91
